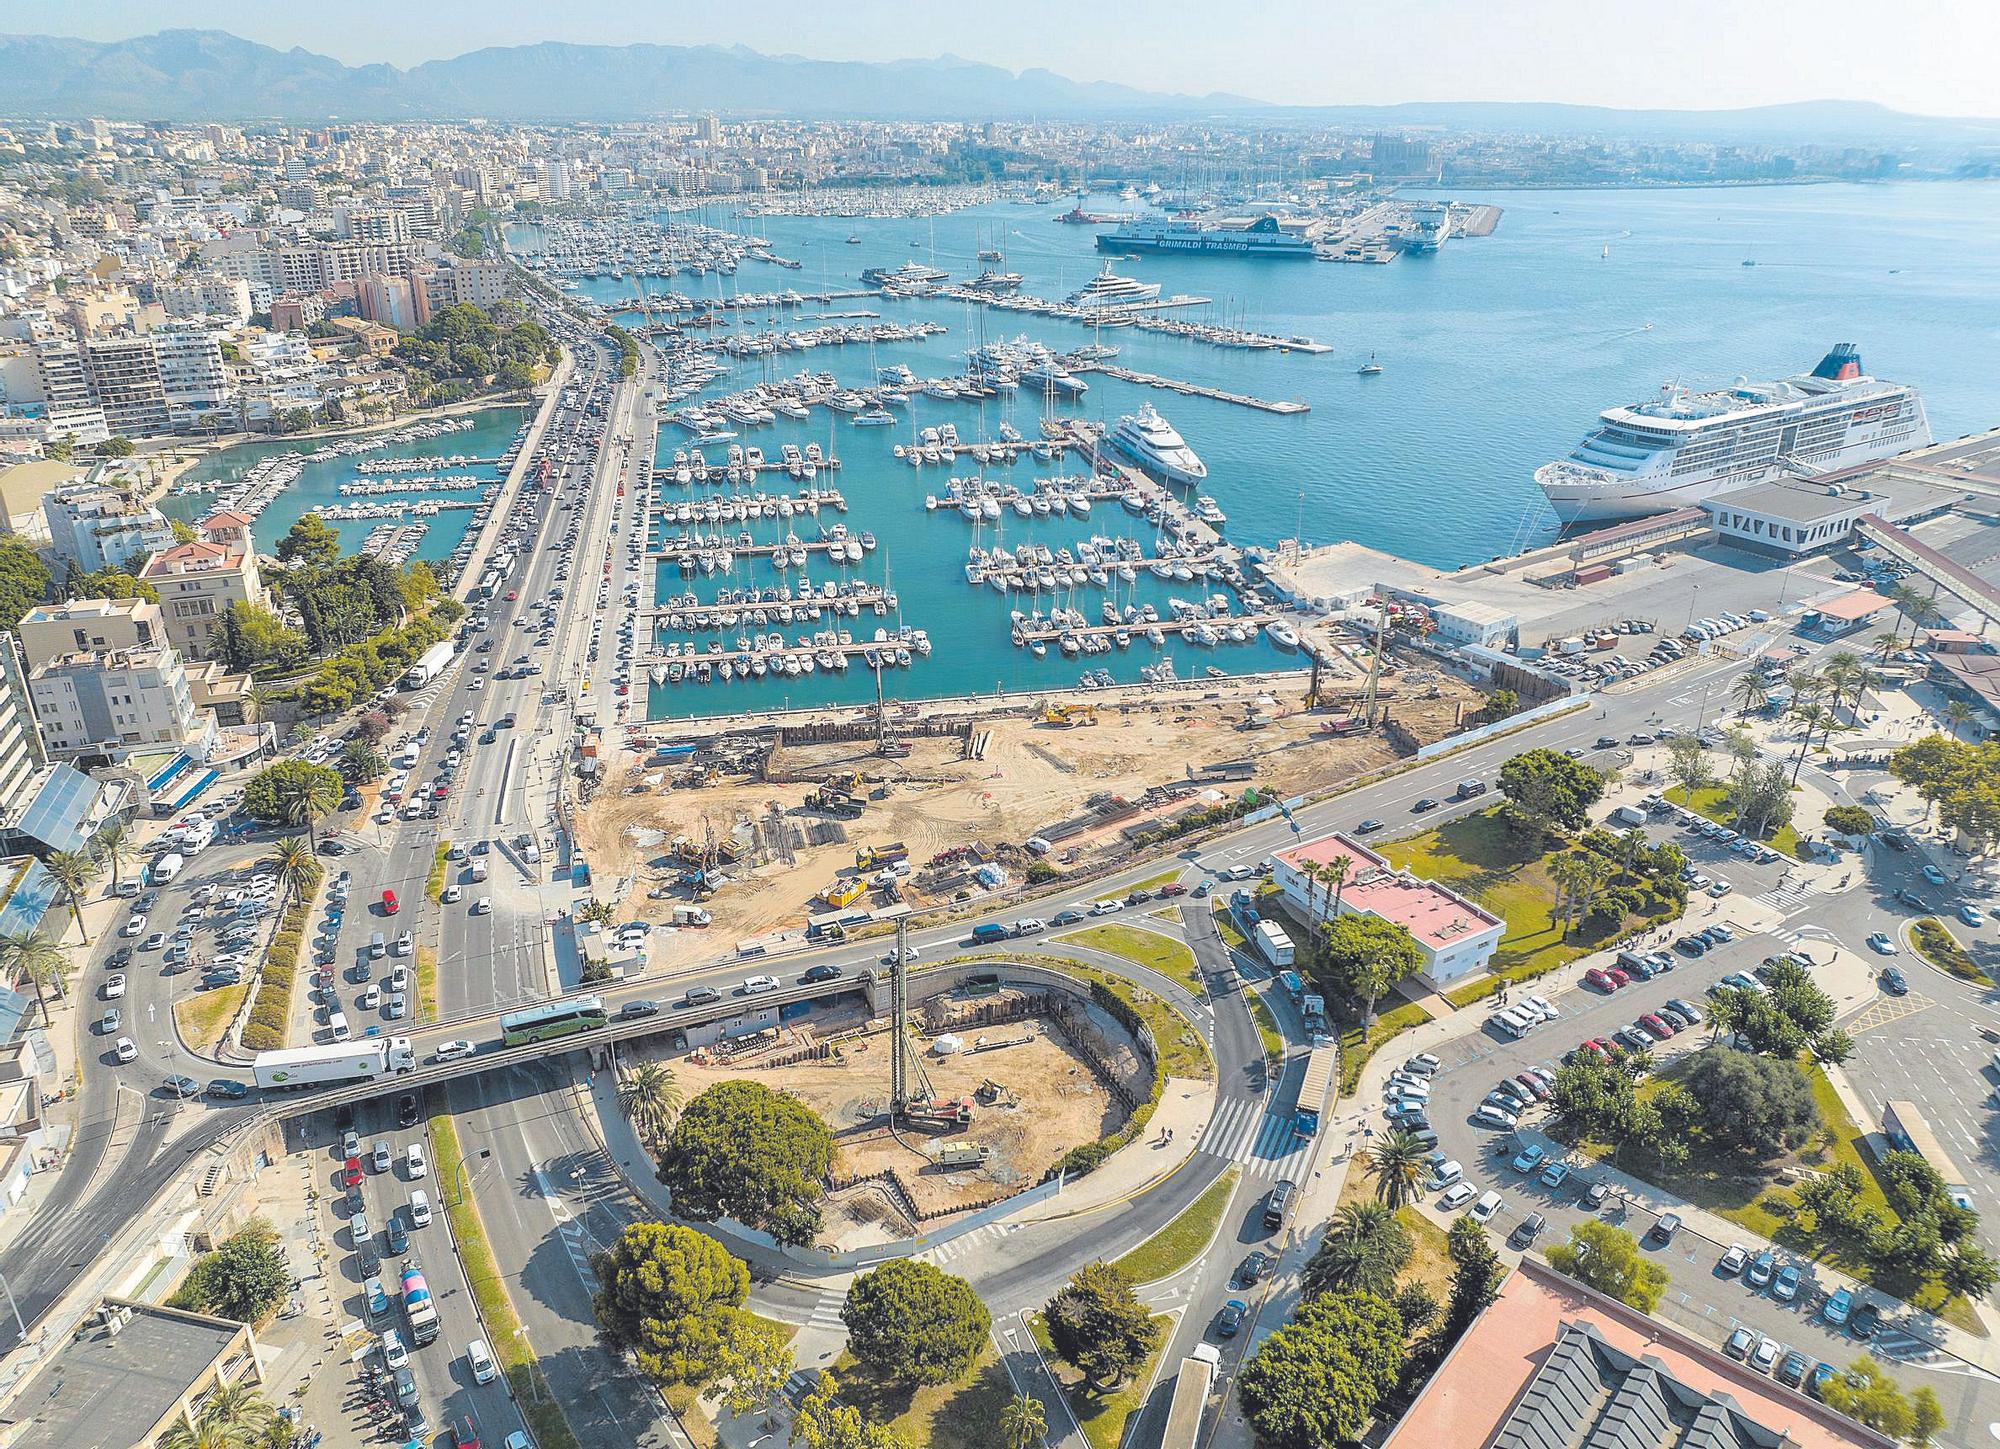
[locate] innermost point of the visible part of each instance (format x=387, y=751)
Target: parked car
x=1739, y=1343
x=1838, y=1305
x=1486, y=1208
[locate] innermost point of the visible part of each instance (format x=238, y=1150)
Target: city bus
x=558, y=1018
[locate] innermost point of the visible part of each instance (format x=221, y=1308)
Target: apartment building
x=125, y=381
x=111, y=702
x=95, y=524
x=197, y=582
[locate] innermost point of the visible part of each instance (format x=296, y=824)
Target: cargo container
x=1273, y=944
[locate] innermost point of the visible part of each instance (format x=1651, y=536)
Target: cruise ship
x=1683, y=446
x=1108, y=289
x=1150, y=441
x=1261, y=238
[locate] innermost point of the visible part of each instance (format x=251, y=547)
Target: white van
x=420, y=1209
x=1517, y=1020
x=337, y=1023
x=480, y=1361
x=1446, y=1174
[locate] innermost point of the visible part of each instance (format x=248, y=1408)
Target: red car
x=1618, y=977
x=390, y=905
x=440, y=792
x=1600, y=979
x=350, y=1173
x=1174, y=888
x=513, y=594
x=1599, y=1045
x=1656, y=1024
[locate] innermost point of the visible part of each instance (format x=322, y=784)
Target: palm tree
x=1337, y=871
x=1022, y=1422
x=650, y=1097
x=34, y=957
x=296, y=869
x=1397, y=1165
x=304, y=802
x=113, y=844
x=73, y=870
x=235, y=1416
x=1885, y=644
x=1363, y=1250
x=1956, y=714
x=1750, y=692
x=262, y=697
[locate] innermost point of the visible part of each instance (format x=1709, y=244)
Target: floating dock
x=1192, y=389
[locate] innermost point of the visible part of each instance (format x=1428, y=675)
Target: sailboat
x=1370, y=368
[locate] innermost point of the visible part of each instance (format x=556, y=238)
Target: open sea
x=1498, y=353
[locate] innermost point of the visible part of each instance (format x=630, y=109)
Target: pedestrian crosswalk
x=966, y=1244
x=1787, y=896
x=1266, y=1143
x=826, y=1312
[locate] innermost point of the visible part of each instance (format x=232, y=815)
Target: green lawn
x=1751, y=1196
x=1480, y=858
x=1182, y=1051
x=1143, y=947
x=967, y=1412
x=1267, y=1031
x=1181, y=1241
x=1154, y=882
x=1102, y=1417
x=427, y=983
x=1225, y=926
x=1933, y=941
x=1710, y=801
x=1355, y=1050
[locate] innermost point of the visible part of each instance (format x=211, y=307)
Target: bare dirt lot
x=1049, y=1101
x=1030, y=775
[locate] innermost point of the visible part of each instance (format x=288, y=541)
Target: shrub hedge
x=271, y=1010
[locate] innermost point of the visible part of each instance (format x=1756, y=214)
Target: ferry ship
x=1261, y=238
x=1108, y=289
x=1150, y=441
x=1684, y=446
x=1430, y=228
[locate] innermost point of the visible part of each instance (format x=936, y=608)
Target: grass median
x=1183, y=1240
x=427, y=983
x=1936, y=944
x=434, y=887
x=202, y=1018
x=1140, y=946
x=504, y=1333
x=1104, y=1416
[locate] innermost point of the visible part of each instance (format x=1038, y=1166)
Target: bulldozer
x=1069, y=716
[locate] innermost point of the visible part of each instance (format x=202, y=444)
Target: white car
x=369, y=999
x=136, y=926
x=481, y=906
x=413, y=1161
x=1545, y=1007
x=1488, y=1205
x=420, y=1209
x=1456, y=1196
x=126, y=1052
x=393, y=1352
x=480, y=1361
x=452, y=895
x=451, y=1051
x=114, y=986
x=757, y=985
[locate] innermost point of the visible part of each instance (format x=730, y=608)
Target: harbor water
x=318, y=484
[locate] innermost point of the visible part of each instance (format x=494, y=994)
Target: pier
x=1055, y=633
x=1109, y=316
x=689, y=552
x=743, y=507
x=891, y=651
x=743, y=471
x=1190, y=389
x=759, y=613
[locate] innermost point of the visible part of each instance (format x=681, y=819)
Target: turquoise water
x=491, y=433
x=1498, y=353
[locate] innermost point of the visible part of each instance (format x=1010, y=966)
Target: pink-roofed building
x=1455, y=936
x=198, y=581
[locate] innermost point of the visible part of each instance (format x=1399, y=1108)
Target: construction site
x=760, y=829
x=995, y=1083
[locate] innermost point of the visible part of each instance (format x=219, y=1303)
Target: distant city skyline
x=1697, y=54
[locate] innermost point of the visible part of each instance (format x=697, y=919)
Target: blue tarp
x=170, y=772
x=181, y=799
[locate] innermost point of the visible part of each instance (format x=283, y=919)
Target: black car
x=1894, y=982
x=1065, y=918
x=228, y=1089
x=1230, y=1320
x=1253, y=1268
x=1691, y=946
x=1607, y=742
x=1426, y=803
x=1368, y=827
x=633, y=1010
x=121, y=957
x=216, y=980
x=1864, y=1321
x=828, y=972
x=406, y=1110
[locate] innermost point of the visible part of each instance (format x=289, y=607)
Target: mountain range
x=179, y=75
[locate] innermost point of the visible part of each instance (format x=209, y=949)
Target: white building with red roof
x=1456, y=937
x=198, y=581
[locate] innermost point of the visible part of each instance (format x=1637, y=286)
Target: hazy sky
x=1931, y=56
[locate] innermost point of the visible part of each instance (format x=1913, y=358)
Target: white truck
x=1274, y=945
x=167, y=867
x=430, y=664
x=292, y=1068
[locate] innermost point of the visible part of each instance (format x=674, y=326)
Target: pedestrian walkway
x=968, y=1244
x=1790, y=894
x=1264, y=1141
x=826, y=1313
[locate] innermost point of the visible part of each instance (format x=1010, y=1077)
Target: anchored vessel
x=1150, y=441
x=1683, y=446
x=1261, y=238
x=1107, y=289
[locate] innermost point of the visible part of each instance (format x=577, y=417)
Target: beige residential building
x=114, y=701
x=49, y=630
x=198, y=581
